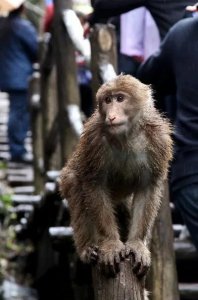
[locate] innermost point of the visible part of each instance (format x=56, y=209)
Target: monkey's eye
x=107, y=99
x=120, y=98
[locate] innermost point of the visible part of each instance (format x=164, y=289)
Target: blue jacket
x=18, y=51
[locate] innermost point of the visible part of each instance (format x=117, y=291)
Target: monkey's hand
x=110, y=255
x=141, y=256
x=89, y=254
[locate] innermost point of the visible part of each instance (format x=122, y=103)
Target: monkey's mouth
x=114, y=125
x=116, y=128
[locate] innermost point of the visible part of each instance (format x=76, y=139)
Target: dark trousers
x=186, y=200
x=18, y=123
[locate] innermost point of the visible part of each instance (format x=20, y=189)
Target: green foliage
x=6, y=199
x=3, y=165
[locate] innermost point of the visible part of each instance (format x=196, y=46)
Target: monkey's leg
x=101, y=211
x=83, y=231
x=145, y=207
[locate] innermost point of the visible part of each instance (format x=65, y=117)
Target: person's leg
x=186, y=200
x=18, y=123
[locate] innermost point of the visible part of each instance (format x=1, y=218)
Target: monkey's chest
x=128, y=173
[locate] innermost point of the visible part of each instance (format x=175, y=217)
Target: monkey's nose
x=111, y=119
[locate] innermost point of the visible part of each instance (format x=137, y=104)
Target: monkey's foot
x=90, y=254
x=141, y=257
x=110, y=255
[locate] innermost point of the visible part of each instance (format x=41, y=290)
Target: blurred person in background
x=174, y=68
x=165, y=13
x=139, y=38
x=82, y=9
x=18, y=52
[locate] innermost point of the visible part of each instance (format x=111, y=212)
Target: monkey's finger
x=107, y=268
x=122, y=254
x=134, y=257
x=111, y=269
x=117, y=268
x=94, y=253
x=117, y=263
x=94, y=257
x=117, y=258
x=136, y=267
x=96, y=248
x=127, y=252
x=142, y=272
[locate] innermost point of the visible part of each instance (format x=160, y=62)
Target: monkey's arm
x=145, y=207
x=80, y=220
x=102, y=213
x=95, y=230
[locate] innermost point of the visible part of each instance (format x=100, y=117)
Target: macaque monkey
x=114, y=179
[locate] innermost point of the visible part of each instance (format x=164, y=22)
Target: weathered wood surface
x=125, y=286
x=50, y=128
x=67, y=85
x=163, y=277
x=34, y=95
x=103, y=51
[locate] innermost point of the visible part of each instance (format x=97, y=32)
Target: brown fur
x=114, y=179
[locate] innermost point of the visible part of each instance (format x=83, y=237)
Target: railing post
x=163, y=277
x=103, y=54
x=36, y=118
x=67, y=85
x=125, y=285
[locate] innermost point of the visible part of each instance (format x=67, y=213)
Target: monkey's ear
x=149, y=91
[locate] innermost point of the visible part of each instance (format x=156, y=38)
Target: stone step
x=21, y=172
x=26, y=199
x=61, y=232
x=23, y=208
x=3, y=128
x=24, y=190
x=3, y=118
x=52, y=175
x=4, y=156
x=19, y=181
x=3, y=139
x=188, y=291
x=3, y=134
x=4, y=147
x=18, y=165
x=185, y=250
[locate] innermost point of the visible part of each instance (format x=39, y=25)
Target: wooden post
x=103, y=51
x=125, y=286
x=163, y=277
x=50, y=130
x=68, y=91
x=35, y=106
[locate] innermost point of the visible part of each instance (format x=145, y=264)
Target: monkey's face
x=121, y=102
x=116, y=109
